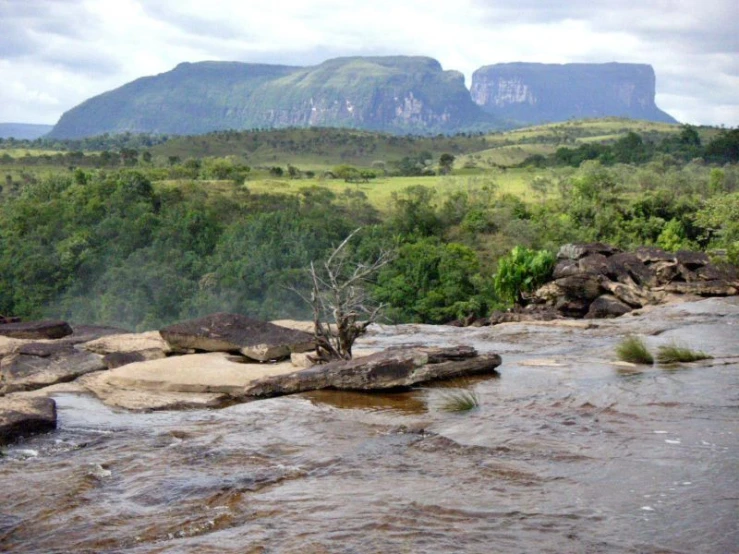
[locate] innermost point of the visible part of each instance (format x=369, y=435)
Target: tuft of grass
x=675, y=353
x=633, y=349
x=459, y=400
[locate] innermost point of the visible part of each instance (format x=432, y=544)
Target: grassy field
x=380, y=191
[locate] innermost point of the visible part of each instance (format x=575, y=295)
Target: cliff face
x=532, y=93
x=395, y=94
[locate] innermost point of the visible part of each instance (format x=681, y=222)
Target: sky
x=54, y=54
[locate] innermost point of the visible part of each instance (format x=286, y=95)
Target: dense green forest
x=141, y=244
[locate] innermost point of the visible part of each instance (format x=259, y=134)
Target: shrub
x=459, y=400
x=633, y=350
x=522, y=270
x=674, y=353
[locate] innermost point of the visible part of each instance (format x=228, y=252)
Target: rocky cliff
x=533, y=93
x=395, y=94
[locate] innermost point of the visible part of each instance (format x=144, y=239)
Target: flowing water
x=567, y=452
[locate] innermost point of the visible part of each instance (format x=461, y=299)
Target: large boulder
x=224, y=332
x=25, y=416
x=580, y=250
x=606, y=306
x=39, y=365
x=652, y=254
x=390, y=369
x=36, y=329
x=626, y=266
x=128, y=343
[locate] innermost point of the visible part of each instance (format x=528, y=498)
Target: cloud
x=64, y=51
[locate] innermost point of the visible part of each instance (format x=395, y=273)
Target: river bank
x=567, y=452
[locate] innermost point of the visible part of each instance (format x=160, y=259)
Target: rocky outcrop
x=258, y=340
x=391, y=369
x=533, y=93
x=25, y=416
x=37, y=365
x=596, y=280
x=36, y=330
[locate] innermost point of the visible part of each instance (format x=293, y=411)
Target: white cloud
x=57, y=53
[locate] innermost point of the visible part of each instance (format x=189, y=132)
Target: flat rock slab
x=128, y=342
x=391, y=369
x=223, y=332
x=193, y=373
x=61, y=363
x=146, y=400
x=119, y=359
x=36, y=330
x=25, y=416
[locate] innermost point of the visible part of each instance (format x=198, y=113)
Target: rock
x=606, y=306
x=128, y=343
x=25, y=416
x=651, y=254
x=36, y=330
x=580, y=250
x=118, y=359
x=60, y=363
x=87, y=333
x=702, y=288
x=692, y=260
x=626, y=266
x=565, y=268
x=223, y=332
x=577, y=307
x=665, y=271
x=390, y=369
x=595, y=264
x=144, y=400
x=302, y=359
x=570, y=295
x=631, y=294
x=11, y=346
x=194, y=373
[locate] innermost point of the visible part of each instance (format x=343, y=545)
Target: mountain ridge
x=396, y=94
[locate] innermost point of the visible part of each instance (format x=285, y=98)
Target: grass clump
x=633, y=350
x=675, y=353
x=459, y=400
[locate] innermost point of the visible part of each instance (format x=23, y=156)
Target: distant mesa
x=395, y=94
x=534, y=93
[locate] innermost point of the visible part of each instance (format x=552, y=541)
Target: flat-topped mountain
x=533, y=93
x=397, y=94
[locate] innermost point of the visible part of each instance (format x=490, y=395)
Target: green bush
x=522, y=270
x=633, y=350
x=674, y=353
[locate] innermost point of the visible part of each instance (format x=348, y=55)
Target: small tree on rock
x=342, y=309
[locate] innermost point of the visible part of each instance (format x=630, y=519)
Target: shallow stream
x=567, y=452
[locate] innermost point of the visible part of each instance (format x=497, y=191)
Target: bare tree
x=342, y=310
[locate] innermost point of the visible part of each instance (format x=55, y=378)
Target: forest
x=139, y=232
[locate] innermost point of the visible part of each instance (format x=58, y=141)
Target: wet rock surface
x=223, y=332
x=566, y=452
x=25, y=416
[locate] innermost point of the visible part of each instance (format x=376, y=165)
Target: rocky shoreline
x=210, y=362
x=223, y=359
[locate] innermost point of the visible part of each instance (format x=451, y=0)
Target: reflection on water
x=572, y=455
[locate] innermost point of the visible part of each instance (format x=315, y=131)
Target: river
x=566, y=453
